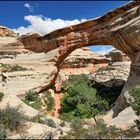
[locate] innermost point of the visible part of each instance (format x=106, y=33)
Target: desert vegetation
x=1, y=95
x=49, y=101
x=11, y=119
x=33, y=99
x=99, y=131
x=80, y=100
x=79, y=130
x=11, y=68
x=135, y=104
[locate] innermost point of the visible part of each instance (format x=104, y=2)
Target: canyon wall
x=119, y=28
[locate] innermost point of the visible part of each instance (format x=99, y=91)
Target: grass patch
x=50, y=123
x=12, y=118
x=9, y=68
x=35, y=104
x=32, y=99
x=49, y=101
x=38, y=119
x=3, y=133
x=98, y=131
x=1, y=95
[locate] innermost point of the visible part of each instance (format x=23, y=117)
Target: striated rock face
x=118, y=71
x=80, y=61
x=81, y=58
x=35, y=42
x=6, y=32
x=10, y=47
x=119, y=28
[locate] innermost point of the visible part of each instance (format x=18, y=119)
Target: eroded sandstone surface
x=52, y=64
x=6, y=32
x=39, y=70
x=119, y=28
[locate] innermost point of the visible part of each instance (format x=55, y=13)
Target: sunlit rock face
x=10, y=46
x=119, y=28
x=6, y=32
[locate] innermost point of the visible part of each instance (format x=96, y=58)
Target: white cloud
x=44, y=25
x=29, y=7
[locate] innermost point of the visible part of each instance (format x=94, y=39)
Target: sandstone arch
x=119, y=28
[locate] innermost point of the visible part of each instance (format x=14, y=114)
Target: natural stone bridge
x=119, y=28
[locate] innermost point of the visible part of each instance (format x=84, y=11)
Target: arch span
x=119, y=28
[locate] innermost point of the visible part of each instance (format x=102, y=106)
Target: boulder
x=117, y=56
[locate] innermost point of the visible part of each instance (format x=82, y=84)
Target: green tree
x=80, y=99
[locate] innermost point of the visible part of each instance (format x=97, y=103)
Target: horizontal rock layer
x=6, y=32
x=119, y=28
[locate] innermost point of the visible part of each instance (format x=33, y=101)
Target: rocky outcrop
x=33, y=129
x=117, y=56
x=40, y=70
x=115, y=71
x=10, y=47
x=6, y=32
x=119, y=28
x=81, y=58
x=80, y=61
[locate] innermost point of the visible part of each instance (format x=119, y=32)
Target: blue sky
x=46, y=16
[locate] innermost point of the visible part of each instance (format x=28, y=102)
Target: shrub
x=77, y=129
x=50, y=123
x=135, y=103
x=131, y=133
x=32, y=99
x=31, y=95
x=12, y=117
x=3, y=133
x=80, y=99
x=1, y=95
x=62, y=124
x=7, y=66
x=135, y=100
x=10, y=68
x=50, y=101
x=17, y=68
x=99, y=131
x=38, y=118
